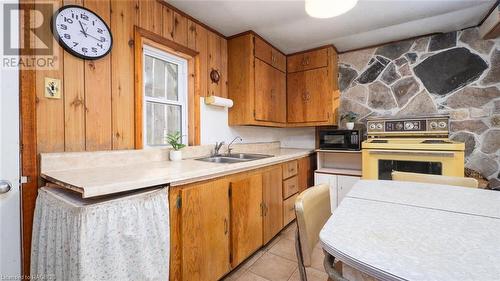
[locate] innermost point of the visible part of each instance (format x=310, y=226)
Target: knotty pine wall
x=96, y=111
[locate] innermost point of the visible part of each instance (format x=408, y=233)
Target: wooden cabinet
x=270, y=93
x=312, y=92
x=246, y=216
x=289, y=169
x=216, y=224
x=308, y=96
x=205, y=230
x=270, y=55
x=256, y=82
x=290, y=187
x=307, y=60
x=289, y=209
x=306, y=167
x=272, y=203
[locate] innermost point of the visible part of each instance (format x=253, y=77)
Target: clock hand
x=83, y=31
x=95, y=38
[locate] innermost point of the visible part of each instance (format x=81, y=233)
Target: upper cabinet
x=256, y=82
x=270, y=55
x=312, y=90
x=271, y=89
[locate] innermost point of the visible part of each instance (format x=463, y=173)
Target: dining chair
x=312, y=209
x=437, y=179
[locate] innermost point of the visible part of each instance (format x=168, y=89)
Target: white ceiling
x=286, y=25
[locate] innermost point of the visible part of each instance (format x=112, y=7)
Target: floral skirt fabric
x=124, y=238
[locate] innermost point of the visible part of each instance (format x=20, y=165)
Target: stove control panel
x=421, y=126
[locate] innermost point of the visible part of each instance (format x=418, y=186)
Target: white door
x=345, y=184
x=10, y=226
x=331, y=181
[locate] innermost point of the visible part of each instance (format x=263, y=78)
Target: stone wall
x=455, y=73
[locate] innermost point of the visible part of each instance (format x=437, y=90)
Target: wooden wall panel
x=150, y=12
x=167, y=23
x=50, y=112
x=202, y=48
x=191, y=34
x=124, y=16
x=180, y=29
x=98, y=91
x=214, y=62
x=223, y=67
x=74, y=99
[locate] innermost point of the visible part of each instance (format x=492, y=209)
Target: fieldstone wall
x=455, y=73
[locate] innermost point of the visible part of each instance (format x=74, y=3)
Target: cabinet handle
x=306, y=96
x=272, y=93
x=226, y=228
x=305, y=61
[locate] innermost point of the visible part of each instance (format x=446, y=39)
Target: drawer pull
x=226, y=228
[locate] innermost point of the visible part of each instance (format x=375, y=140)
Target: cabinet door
x=308, y=60
x=344, y=185
x=205, y=231
x=309, y=99
x=273, y=203
x=331, y=181
x=305, y=171
x=246, y=216
x=270, y=93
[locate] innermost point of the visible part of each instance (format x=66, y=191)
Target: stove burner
x=435, y=141
x=379, y=141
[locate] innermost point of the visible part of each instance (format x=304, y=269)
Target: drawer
x=269, y=55
x=289, y=209
x=289, y=169
x=309, y=60
x=290, y=187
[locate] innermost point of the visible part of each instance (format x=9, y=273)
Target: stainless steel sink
x=234, y=158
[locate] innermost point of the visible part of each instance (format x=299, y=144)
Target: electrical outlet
x=52, y=88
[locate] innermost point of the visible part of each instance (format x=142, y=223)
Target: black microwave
x=333, y=139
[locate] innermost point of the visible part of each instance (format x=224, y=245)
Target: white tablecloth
x=125, y=238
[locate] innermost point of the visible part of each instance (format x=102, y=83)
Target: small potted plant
x=175, y=140
x=349, y=117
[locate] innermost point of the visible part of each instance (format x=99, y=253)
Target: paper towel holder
x=218, y=101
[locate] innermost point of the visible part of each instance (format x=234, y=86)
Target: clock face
x=81, y=32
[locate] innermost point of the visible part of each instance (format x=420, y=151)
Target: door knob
x=4, y=186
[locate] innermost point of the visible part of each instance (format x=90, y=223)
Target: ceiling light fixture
x=328, y=8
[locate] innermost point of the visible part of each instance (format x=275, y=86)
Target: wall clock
x=81, y=32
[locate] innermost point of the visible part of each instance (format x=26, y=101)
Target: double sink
x=234, y=158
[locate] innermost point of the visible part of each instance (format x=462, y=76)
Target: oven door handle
x=411, y=153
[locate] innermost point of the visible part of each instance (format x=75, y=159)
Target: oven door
x=379, y=164
x=341, y=140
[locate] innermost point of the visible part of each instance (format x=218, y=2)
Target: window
x=165, y=96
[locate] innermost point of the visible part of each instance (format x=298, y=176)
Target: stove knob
x=372, y=126
x=379, y=126
x=408, y=126
x=399, y=126
x=442, y=125
x=434, y=125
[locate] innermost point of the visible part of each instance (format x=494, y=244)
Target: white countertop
x=409, y=231
x=104, y=180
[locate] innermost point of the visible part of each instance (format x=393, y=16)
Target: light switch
x=52, y=88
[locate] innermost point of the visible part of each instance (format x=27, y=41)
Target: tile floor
x=277, y=262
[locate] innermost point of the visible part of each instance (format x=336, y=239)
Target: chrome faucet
x=217, y=148
x=229, y=145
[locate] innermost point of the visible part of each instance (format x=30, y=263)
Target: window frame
x=182, y=88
